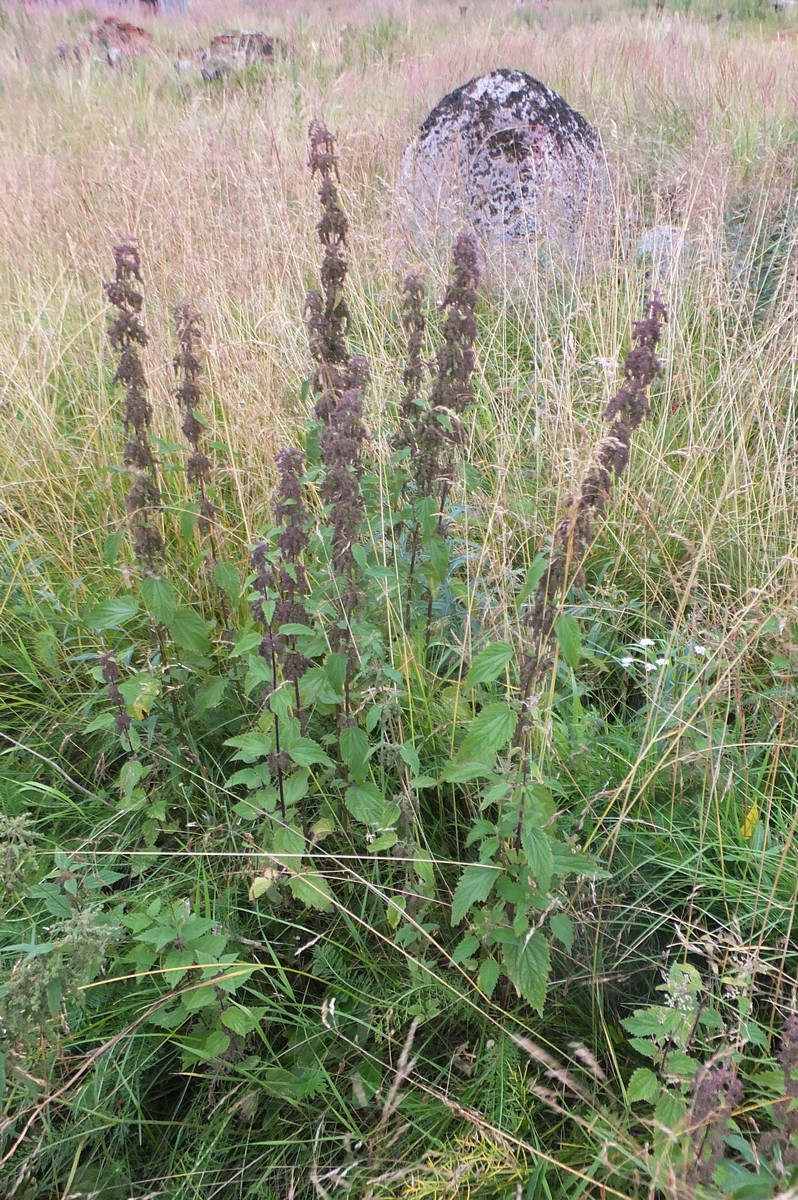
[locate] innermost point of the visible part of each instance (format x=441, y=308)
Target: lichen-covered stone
x=244, y=45
x=509, y=158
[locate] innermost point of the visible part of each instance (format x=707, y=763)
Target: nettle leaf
x=209, y=694
x=573, y=862
x=288, y=846
x=226, y=577
x=569, y=639
x=536, y=846
x=307, y=753
x=488, y=977
x=533, y=577
x=464, y=772
x=160, y=598
x=563, y=930
x=643, y=1085
x=526, y=961
x=488, y=732
x=656, y=1022
x=313, y=890
x=409, y=756
x=261, y=884
x=488, y=664
x=109, y=614
x=671, y=1110
x=385, y=841
x=366, y=803
x=189, y=631
x=354, y=747
x=245, y=642
x=239, y=1020
x=465, y=949
x=476, y=884
x=251, y=746
x=437, y=550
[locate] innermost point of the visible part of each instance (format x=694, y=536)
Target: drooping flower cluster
x=717, y=1092
x=575, y=532
x=111, y=676
x=126, y=335
x=415, y=327
x=326, y=311
x=188, y=369
x=280, y=580
x=437, y=428
x=341, y=446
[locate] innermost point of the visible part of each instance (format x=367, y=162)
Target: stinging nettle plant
x=337, y=749
x=334, y=749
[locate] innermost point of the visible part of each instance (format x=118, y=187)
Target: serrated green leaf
x=245, y=642
x=409, y=756
x=226, y=578
x=465, y=949
x=463, y=772
x=670, y=1110
x=160, y=598
x=46, y=647
x=112, y=546
x=251, y=746
x=288, y=846
x=488, y=977
x=395, y=910
x=354, y=747
x=312, y=889
x=644, y=1086
x=110, y=614
x=189, y=631
x=488, y=732
x=563, y=930
x=261, y=884
x=533, y=577
x=536, y=846
x=209, y=694
x=573, y=862
x=569, y=639
x=307, y=753
x=656, y=1021
x=365, y=802
x=476, y=884
x=384, y=841
x=238, y=1021
x=437, y=551
x=526, y=961
x=488, y=664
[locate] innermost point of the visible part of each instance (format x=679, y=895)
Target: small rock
x=213, y=68
x=121, y=35
x=245, y=46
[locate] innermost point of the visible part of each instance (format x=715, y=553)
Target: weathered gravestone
x=509, y=158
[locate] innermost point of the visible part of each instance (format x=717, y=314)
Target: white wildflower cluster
x=649, y=656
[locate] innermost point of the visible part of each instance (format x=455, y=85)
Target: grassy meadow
x=416, y=815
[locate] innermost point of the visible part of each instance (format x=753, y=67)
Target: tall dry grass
x=698, y=120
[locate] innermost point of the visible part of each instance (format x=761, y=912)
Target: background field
x=667, y=740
